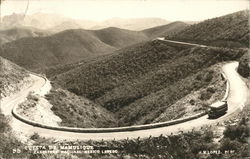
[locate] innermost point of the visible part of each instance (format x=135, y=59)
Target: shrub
x=208, y=76
x=227, y=144
x=192, y=102
x=34, y=136
x=236, y=132
x=3, y=123
x=244, y=66
x=211, y=90
x=205, y=95
x=33, y=97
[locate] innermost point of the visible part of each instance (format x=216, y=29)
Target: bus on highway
x=217, y=109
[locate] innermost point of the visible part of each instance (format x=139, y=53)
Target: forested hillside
x=145, y=79
x=11, y=77
x=230, y=30
x=72, y=46
x=119, y=37
x=76, y=111
x=67, y=47
x=165, y=30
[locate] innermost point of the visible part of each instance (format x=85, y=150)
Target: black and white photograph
x=124, y=79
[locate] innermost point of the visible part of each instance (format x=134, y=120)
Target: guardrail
x=115, y=129
x=104, y=130
x=227, y=88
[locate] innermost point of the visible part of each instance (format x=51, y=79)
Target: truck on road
x=217, y=109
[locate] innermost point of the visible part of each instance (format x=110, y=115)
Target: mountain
x=66, y=25
x=73, y=24
x=230, y=30
x=164, y=30
x=20, y=32
x=10, y=21
x=57, y=23
x=140, y=82
x=119, y=37
x=11, y=76
x=68, y=46
x=62, y=48
x=131, y=24
x=45, y=21
x=38, y=20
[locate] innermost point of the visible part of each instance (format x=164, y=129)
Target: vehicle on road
x=217, y=109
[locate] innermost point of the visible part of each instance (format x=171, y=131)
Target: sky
x=99, y=10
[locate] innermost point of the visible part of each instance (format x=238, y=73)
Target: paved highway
x=237, y=98
x=238, y=95
x=178, y=42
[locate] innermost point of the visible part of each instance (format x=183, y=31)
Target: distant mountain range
x=139, y=82
x=131, y=24
x=21, y=32
x=57, y=23
x=72, y=45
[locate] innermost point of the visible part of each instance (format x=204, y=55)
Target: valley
x=235, y=99
x=35, y=51
x=144, y=93
x=68, y=83
x=133, y=81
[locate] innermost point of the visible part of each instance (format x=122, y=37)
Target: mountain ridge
x=132, y=78
x=71, y=46
x=56, y=23
x=230, y=30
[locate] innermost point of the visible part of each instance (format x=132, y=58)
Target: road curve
x=178, y=42
x=238, y=95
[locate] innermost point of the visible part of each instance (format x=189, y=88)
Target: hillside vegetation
x=78, y=111
x=11, y=77
x=72, y=46
x=62, y=48
x=165, y=30
x=244, y=65
x=231, y=31
x=59, y=69
x=119, y=37
x=138, y=83
x=66, y=47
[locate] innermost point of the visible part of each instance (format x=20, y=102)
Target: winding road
x=178, y=42
x=238, y=95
